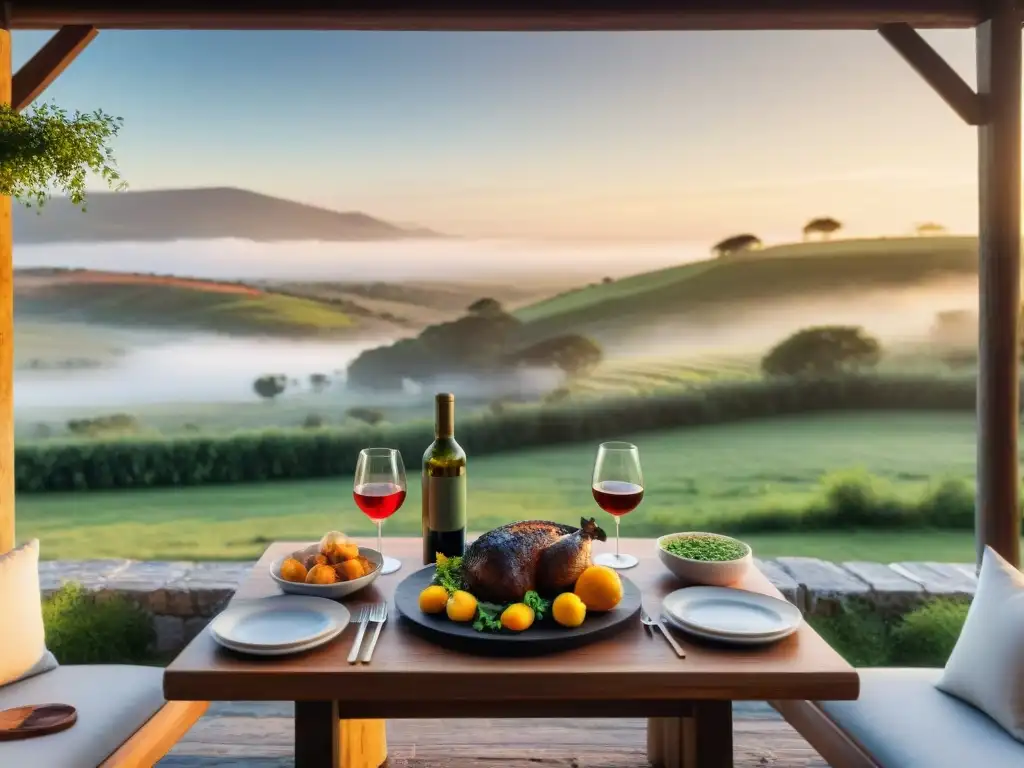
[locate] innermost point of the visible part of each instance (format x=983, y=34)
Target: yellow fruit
x=517, y=617
x=568, y=610
x=599, y=587
x=321, y=574
x=461, y=606
x=293, y=570
x=433, y=599
x=349, y=570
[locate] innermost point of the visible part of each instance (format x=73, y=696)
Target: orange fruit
x=599, y=587
x=568, y=610
x=461, y=606
x=433, y=599
x=517, y=617
x=321, y=574
x=293, y=570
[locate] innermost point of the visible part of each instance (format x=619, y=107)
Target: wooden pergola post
x=998, y=522
x=6, y=318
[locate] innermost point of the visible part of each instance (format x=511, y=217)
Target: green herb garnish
x=448, y=573
x=706, y=548
x=539, y=605
x=488, y=617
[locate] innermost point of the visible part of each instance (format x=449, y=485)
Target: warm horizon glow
x=560, y=136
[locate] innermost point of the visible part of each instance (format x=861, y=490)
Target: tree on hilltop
x=930, y=228
x=824, y=226
x=270, y=386
x=822, y=351
x=485, y=306
x=735, y=244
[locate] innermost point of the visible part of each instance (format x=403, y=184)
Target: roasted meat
x=507, y=562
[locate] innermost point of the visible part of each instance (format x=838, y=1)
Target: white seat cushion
x=22, y=640
x=903, y=721
x=113, y=701
x=986, y=667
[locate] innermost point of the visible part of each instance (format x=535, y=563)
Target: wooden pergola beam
x=45, y=66
x=998, y=521
x=497, y=14
x=935, y=71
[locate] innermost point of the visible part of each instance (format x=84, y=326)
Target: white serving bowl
x=716, y=573
x=336, y=591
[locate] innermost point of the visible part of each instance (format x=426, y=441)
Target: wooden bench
x=901, y=720
x=123, y=719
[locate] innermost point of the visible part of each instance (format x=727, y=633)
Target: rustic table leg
x=700, y=739
x=324, y=741
x=317, y=743
x=364, y=743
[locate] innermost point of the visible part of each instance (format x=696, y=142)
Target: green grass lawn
x=693, y=478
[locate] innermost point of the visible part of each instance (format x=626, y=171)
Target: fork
x=363, y=618
x=648, y=622
x=378, y=615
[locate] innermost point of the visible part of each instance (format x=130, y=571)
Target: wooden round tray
x=545, y=636
x=35, y=720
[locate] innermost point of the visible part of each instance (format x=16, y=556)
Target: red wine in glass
x=379, y=501
x=617, y=497
x=379, y=490
x=618, y=487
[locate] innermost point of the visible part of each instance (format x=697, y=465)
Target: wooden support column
x=6, y=319
x=999, y=234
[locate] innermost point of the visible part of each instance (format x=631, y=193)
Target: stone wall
x=182, y=596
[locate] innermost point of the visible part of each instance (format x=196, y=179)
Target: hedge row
x=76, y=465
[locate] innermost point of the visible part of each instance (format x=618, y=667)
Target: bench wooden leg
x=154, y=739
x=702, y=738
x=324, y=741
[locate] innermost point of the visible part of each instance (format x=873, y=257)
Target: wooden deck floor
x=259, y=735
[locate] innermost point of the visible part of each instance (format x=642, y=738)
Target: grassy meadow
x=695, y=479
x=705, y=477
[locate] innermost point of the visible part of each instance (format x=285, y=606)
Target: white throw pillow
x=23, y=650
x=986, y=668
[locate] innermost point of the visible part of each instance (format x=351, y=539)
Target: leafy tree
x=369, y=415
x=44, y=149
x=822, y=351
x=574, y=354
x=313, y=421
x=735, y=244
x=607, y=280
x=270, y=386
x=930, y=228
x=485, y=306
x=825, y=226
x=319, y=381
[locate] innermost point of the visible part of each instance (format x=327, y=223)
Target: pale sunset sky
x=691, y=136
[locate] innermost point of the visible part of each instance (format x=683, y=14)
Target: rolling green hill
x=147, y=301
x=779, y=273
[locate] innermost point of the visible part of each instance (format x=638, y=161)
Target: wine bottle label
x=446, y=500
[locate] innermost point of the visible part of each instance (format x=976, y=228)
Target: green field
x=694, y=477
x=793, y=271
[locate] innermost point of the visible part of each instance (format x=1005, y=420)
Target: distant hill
x=169, y=303
x=197, y=214
x=797, y=271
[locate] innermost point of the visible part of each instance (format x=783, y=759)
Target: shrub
x=858, y=635
x=925, y=637
x=822, y=351
x=313, y=421
x=369, y=415
x=83, y=630
x=182, y=460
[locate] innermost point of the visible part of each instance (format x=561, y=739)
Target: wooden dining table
x=341, y=709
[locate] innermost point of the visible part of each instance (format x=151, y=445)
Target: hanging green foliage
x=45, y=150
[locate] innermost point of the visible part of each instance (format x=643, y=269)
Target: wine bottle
x=444, y=487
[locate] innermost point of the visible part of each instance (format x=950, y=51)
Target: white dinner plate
x=728, y=639
x=281, y=622
x=731, y=613
x=283, y=651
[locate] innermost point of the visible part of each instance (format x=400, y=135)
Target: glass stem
x=617, y=538
x=380, y=524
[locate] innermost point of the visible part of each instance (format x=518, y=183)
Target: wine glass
x=618, y=489
x=379, y=490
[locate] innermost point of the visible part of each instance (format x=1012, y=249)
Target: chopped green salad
x=707, y=548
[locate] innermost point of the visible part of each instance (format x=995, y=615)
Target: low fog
x=196, y=368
